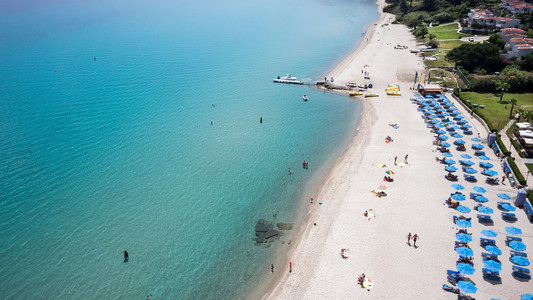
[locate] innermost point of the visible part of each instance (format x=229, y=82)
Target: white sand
x=414, y=203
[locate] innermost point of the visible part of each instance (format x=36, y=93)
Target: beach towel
x=401, y=164
x=380, y=166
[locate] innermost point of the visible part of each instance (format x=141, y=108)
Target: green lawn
x=496, y=113
x=450, y=44
x=447, y=31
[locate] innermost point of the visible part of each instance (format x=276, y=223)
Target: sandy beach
x=415, y=202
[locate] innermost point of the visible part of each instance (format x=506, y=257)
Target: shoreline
x=356, y=144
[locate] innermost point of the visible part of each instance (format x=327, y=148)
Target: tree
x=513, y=103
x=529, y=115
x=479, y=55
x=421, y=31
x=497, y=40
x=521, y=112
x=428, y=5
x=502, y=87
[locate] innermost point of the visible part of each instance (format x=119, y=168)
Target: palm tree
x=521, y=113
x=529, y=115
x=502, y=87
x=513, y=102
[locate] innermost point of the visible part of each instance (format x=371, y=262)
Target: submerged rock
x=265, y=232
x=285, y=226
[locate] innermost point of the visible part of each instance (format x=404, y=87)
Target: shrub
x=502, y=147
x=516, y=171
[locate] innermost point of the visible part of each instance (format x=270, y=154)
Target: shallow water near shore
x=129, y=126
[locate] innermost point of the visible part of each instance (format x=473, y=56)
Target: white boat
x=305, y=98
x=288, y=79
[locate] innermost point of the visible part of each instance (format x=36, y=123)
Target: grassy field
x=446, y=31
x=496, y=113
x=450, y=44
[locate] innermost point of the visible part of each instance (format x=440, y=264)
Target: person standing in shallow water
x=126, y=256
x=271, y=268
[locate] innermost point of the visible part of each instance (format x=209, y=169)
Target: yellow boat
x=355, y=93
x=394, y=93
x=370, y=94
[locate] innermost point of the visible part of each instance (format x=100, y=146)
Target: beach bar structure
x=433, y=91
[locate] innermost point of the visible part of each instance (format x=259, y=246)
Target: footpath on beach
x=391, y=183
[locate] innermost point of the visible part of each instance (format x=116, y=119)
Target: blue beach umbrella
x=465, y=269
x=486, y=210
x=490, y=172
x=463, y=209
x=467, y=162
x=508, y=207
x=456, y=135
x=479, y=189
x=486, y=165
x=465, y=238
x=445, y=144
x=466, y=156
x=516, y=245
x=441, y=131
x=463, y=224
x=456, y=127
x=443, y=137
x=464, y=252
x=467, y=287
x=513, y=230
x=458, y=197
x=475, y=140
x=520, y=260
x=435, y=121
x=458, y=187
x=469, y=171
x=447, y=154
x=504, y=196
x=478, y=146
x=484, y=157
x=439, y=125
x=488, y=233
x=450, y=168
x=463, y=122
x=493, y=250
x=459, y=142
x=450, y=128
x=526, y=297
x=466, y=125
x=492, y=265
x=449, y=161
x=481, y=199
x=459, y=117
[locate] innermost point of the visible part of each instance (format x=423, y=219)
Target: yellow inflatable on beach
x=370, y=94
x=355, y=93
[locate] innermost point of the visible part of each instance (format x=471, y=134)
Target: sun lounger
x=509, y=216
x=474, y=195
x=461, y=244
x=484, y=242
x=491, y=180
x=512, y=238
x=479, y=153
x=491, y=275
x=455, y=218
x=518, y=253
x=470, y=178
x=484, y=218
x=451, y=289
x=522, y=275
x=488, y=256
x=454, y=278
x=520, y=269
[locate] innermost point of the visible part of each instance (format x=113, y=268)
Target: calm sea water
x=106, y=142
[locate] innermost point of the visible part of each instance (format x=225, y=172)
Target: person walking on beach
x=271, y=268
x=503, y=179
x=395, y=158
x=409, y=239
x=405, y=160
x=290, y=267
x=415, y=238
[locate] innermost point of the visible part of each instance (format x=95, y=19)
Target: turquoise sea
x=106, y=141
